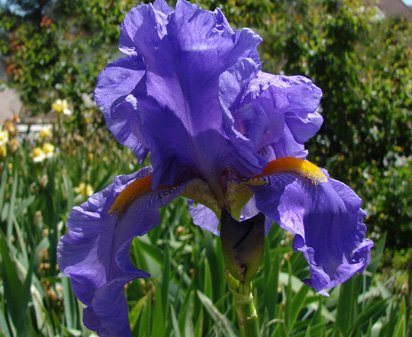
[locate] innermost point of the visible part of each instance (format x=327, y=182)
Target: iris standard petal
x=142, y=29
x=112, y=95
x=184, y=75
x=162, y=6
x=176, y=153
x=279, y=111
x=183, y=80
x=184, y=54
x=327, y=221
x=95, y=251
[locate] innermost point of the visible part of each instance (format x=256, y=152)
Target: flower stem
x=247, y=318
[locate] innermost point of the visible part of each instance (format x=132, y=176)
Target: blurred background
x=55, y=151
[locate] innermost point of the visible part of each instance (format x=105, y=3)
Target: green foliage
x=46, y=61
x=30, y=9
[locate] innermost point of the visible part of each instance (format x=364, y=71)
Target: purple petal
x=279, y=111
x=182, y=95
x=250, y=210
x=204, y=217
x=162, y=6
x=142, y=29
x=326, y=219
x=287, y=146
x=95, y=251
x=175, y=104
x=112, y=94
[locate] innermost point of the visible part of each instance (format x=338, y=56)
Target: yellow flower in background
x=60, y=106
x=14, y=145
x=45, y=133
x=15, y=119
x=3, y=151
x=48, y=150
x=84, y=190
x=88, y=120
x=9, y=126
x=4, y=137
x=37, y=155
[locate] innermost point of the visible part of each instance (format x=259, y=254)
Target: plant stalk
x=247, y=318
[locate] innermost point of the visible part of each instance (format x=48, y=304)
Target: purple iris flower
x=190, y=91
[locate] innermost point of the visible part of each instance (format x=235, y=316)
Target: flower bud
x=242, y=245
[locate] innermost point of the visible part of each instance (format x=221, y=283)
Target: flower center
x=236, y=193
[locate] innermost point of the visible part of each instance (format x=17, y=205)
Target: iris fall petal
x=95, y=251
x=327, y=221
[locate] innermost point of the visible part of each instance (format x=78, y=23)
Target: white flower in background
x=88, y=100
x=4, y=137
x=45, y=133
x=37, y=155
x=48, y=150
x=60, y=106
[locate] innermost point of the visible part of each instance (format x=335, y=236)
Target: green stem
x=247, y=318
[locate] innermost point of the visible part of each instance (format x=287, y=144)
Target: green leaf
x=347, y=305
x=165, y=282
x=270, y=282
x=207, y=277
x=297, y=301
x=175, y=324
x=3, y=184
x=144, y=325
x=16, y=292
x=4, y=329
x=158, y=316
x=70, y=305
x=10, y=215
x=400, y=327
x=219, y=319
x=135, y=313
